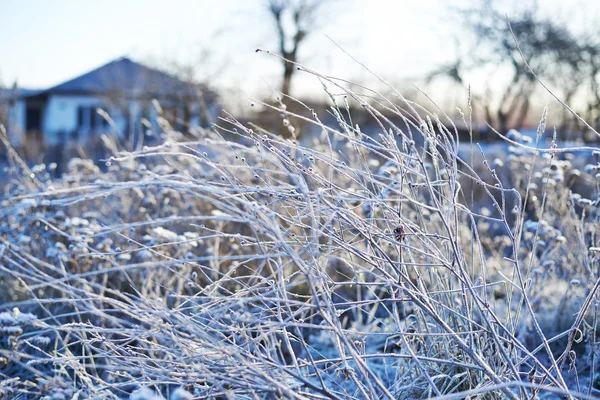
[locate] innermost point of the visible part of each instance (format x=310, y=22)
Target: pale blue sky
x=47, y=42
x=43, y=43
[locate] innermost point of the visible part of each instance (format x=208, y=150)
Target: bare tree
x=294, y=20
x=591, y=54
x=198, y=76
x=553, y=52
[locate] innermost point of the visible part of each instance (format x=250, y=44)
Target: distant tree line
x=568, y=62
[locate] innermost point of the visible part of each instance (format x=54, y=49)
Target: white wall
x=60, y=116
x=16, y=123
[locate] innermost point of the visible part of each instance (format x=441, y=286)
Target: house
x=68, y=112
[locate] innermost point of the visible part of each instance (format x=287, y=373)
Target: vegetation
x=562, y=52
x=244, y=265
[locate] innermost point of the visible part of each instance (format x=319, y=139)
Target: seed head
x=399, y=233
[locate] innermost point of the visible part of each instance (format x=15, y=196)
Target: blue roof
x=124, y=75
x=13, y=94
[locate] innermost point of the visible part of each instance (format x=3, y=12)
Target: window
x=81, y=117
x=89, y=119
x=33, y=116
x=96, y=119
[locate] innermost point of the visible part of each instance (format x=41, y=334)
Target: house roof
x=16, y=93
x=125, y=75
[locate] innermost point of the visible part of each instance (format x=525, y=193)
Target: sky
x=44, y=43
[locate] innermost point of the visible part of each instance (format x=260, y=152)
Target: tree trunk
x=523, y=111
x=287, y=78
x=502, y=122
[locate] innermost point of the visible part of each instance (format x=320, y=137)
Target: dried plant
x=244, y=265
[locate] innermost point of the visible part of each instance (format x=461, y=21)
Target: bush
x=349, y=267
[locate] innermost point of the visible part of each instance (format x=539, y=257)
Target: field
x=242, y=265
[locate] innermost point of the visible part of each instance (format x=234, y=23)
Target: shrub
x=347, y=267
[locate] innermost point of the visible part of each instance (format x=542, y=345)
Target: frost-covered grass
x=243, y=265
